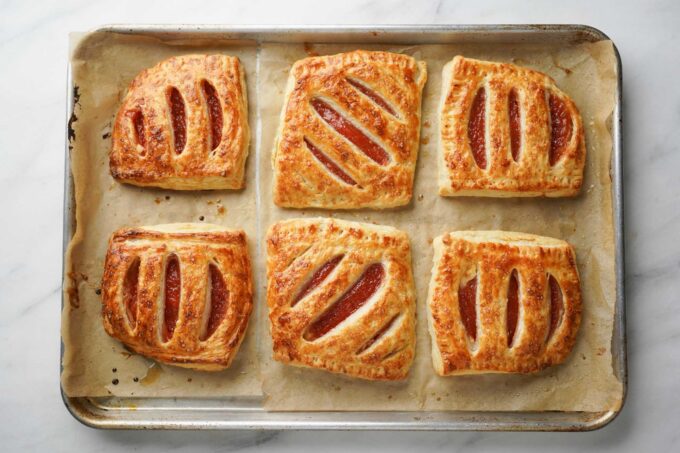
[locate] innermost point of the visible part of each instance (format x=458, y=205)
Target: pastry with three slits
x=341, y=297
x=183, y=125
x=180, y=294
x=502, y=302
x=507, y=131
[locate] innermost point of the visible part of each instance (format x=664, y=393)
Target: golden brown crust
x=153, y=160
x=301, y=180
x=492, y=256
x=531, y=174
x=197, y=246
x=296, y=249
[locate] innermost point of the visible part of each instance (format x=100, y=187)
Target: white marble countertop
x=33, y=52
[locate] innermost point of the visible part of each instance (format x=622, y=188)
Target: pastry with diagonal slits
x=178, y=293
x=341, y=297
x=507, y=131
x=349, y=131
x=183, y=125
x=502, y=302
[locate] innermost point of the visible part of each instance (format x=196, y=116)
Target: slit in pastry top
x=172, y=295
x=349, y=131
x=467, y=305
x=219, y=299
x=560, y=127
x=477, y=128
x=330, y=165
x=378, y=335
x=178, y=119
x=138, y=126
x=354, y=298
x=214, y=113
x=512, y=307
x=515, y=118
x=372, y=95
x=556, y=306
x=318, y=277
x=130, y=292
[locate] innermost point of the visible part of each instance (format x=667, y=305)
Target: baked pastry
x=507, y=131
x=183, y=125
x=341, y=297
x=179, y=293
x=502, y=302
x=349, y=131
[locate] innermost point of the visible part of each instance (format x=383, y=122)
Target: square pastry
x=507, y=131
x=183, y=125
x=349, y=131
x=179, y=293
x=502, y=302
x=341, y=297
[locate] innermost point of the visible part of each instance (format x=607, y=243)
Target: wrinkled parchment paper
x=585, y=382
x=94, y=364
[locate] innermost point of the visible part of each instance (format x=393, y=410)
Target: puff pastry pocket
x=341, y=297
x=502, y=302
x=507, y=131
x=179, y=293
x=349, y=131
x=183, y=125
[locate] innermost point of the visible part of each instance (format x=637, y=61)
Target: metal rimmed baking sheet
x=248, y=412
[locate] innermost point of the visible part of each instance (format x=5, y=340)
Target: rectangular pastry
x=349, y=131
x=507, y=131
x=502, y=302
x=341, y=297
x=180, y=294
x=183, y=125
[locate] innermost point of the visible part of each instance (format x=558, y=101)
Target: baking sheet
x=102, y=70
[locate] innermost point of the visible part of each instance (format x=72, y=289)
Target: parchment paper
x=104, y=64
x=585, y=382
x=94, y=364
